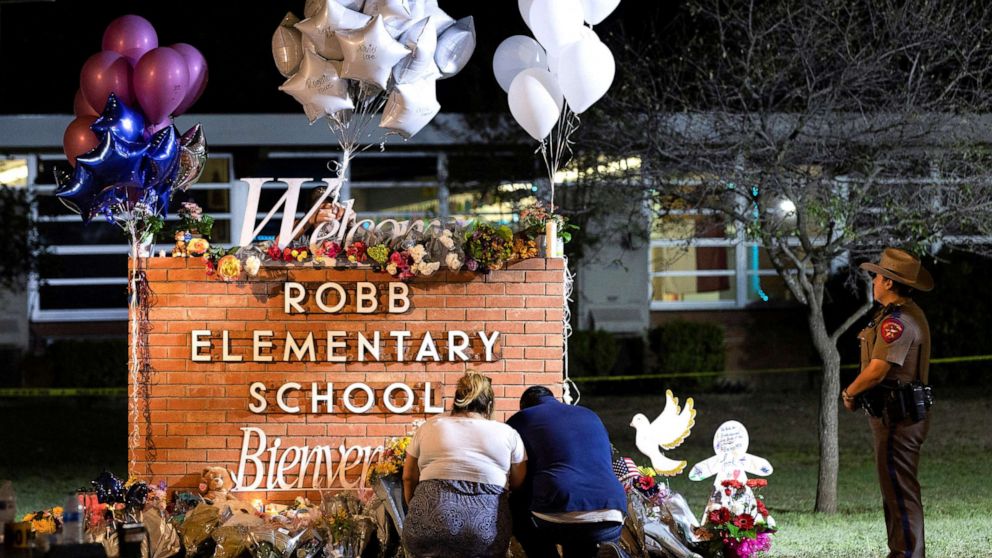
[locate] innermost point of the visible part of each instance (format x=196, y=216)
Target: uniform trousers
x=897, y=458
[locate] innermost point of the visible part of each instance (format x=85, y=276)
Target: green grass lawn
x=782, y=428
x=51, y=446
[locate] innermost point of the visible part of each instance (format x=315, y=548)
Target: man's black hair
x=532, y=396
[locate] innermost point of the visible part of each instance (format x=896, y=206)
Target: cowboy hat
x=901, y=267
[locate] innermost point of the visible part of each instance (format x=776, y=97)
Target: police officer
x=895, y=351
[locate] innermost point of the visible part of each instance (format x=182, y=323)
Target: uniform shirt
x=466, y=449
x=899, y=335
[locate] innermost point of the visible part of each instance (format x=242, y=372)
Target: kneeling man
x=570, y=496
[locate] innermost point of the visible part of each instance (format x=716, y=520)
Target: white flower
x=446, y=240
x=429, y=268
x=737, y=508
x=252, y=264
x=418, y=252
x=391, y=269
x=771, y=522
x=452, y=261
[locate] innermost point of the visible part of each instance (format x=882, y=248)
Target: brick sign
x=293, y=380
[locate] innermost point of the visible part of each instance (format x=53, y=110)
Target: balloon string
x=556, y=149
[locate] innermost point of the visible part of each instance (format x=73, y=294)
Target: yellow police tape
x=629, y=377
x=122, y=391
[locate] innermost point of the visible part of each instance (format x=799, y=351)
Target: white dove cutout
x=668, y=431
x=731, y=460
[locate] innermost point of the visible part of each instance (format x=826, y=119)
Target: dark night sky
x=43, y=46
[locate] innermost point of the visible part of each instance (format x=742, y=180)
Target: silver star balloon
x=370, y=53
x=410, y=107
x=455, y=47
x=192, y=158
x=287, y=46
x=331, y=19
x=420, y=65
x=318, y=87
x=441, y=19
x=313, y=6
x=398, y=15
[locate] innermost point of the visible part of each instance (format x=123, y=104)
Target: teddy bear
x=215, y=484
x=179, y=250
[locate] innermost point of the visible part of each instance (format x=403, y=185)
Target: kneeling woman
x=455, y=479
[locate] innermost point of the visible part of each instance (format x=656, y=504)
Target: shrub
x=592, y=352
x=683, y=346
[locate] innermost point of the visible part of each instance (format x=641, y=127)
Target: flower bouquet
x=488, y=247
x=192, y=232
x=737, y=523
x=534, y=221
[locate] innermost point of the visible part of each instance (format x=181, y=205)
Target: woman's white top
x=466, y=449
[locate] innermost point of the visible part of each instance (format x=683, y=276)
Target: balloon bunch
x=350, y=59
x=129, y=162
x=126, y=177
x=162, y=81
x=553, y=79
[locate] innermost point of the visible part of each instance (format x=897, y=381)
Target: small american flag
x=625, y=469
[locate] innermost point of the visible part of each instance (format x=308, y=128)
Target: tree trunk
x=826, y=486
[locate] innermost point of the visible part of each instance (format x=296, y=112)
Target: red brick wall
x=198, y=408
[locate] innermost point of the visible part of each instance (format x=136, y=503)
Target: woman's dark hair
x=474, y=394
x=533, y=395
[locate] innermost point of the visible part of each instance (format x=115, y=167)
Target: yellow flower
x=295, y=253
x=229, y=267
x=197, y=246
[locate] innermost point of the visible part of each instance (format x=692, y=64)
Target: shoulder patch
x=891, y=329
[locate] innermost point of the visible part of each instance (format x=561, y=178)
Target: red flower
x=757, y=483
x=210, y=266
x=274, y=252
x=762, y=509
x=645, y=482
x=719, y=516
x=397, y=259
x=732, y=483
x=331, y=249
x=744, y=522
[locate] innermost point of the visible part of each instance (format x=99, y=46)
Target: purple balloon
x=130, y=35
x=160, y=82
x=151, y=129
x=196, y=64
x=80, y=107
x=104, y=73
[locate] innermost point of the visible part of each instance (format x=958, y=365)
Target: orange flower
x=229, y=267
x=197, y=246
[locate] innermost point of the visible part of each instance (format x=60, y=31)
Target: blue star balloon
x=120, y=120
x=108, y=173
x=161, y=167
x=77, y=192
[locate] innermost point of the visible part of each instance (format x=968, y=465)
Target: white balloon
x=596, y=10
x=524, y=7
x=318, y=87
x=420, y=65
x=515, y=54
x=455, y=46
x=370, y=53
x=556, y=23
x=554, y=56
x=410, y=107
x=331, y=18
x=585, y=73
x=535, y=101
